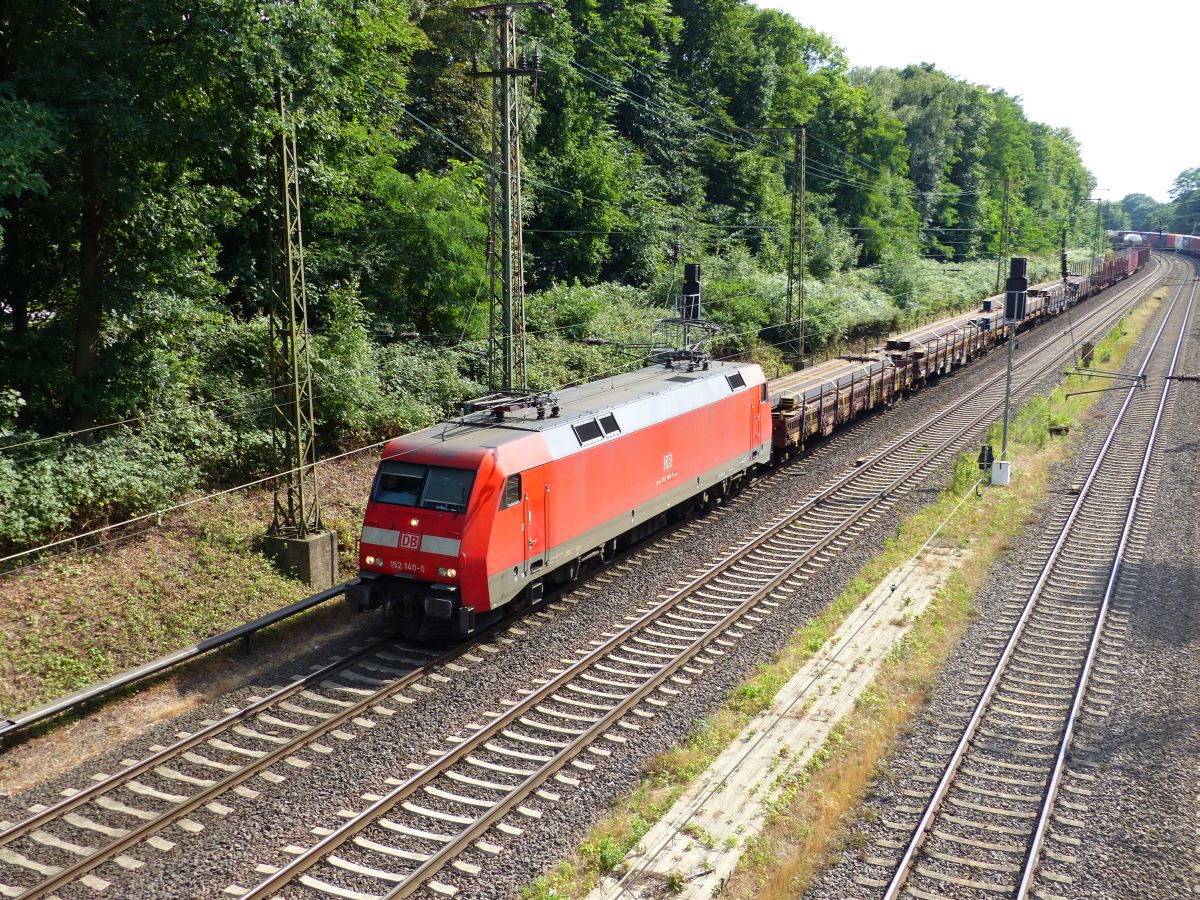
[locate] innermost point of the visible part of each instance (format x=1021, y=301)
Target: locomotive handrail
x=11, y=726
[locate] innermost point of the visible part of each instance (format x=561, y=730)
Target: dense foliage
x=134, y=161
x=1139, y=212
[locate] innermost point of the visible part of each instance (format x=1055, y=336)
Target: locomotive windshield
x=429, y=487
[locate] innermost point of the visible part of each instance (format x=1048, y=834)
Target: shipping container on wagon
x=1163, y=240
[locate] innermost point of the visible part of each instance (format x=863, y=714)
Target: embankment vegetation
x=133, y=208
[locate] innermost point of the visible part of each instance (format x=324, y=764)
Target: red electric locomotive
x=482, y=512
x=478, y=515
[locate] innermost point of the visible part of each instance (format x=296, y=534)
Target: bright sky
x=1121, y=76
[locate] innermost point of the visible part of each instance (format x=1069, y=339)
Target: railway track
x=188, y=775
x=487, y=786
x=516, y=757
x=66, y=841
x=994, y=825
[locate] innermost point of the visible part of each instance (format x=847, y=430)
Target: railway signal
x=987, y=456
x=1016, y=289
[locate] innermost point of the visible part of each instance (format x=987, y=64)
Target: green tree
x=154, y=198
x=1185, y=196
x=426, y=270
x=1113, y=216
x=1145, y=213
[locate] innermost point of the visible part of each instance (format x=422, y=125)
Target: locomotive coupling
x=438, y=605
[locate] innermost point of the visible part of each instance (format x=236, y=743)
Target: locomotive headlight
x=414, y=522
x=450, y=573
x=371, y=560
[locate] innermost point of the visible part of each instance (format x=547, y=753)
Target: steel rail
x=452, y=848
x=449, y=850
x=920, y=833
x=66, y=805
x=140, y=833
x=230, y=781
x=1029, y=869
x=146, y=828
x=445, y=855
x=434, y=769
x=17, y=724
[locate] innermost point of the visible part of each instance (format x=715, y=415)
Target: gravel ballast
x=232, y=844
x=1132, y=775
x=1143, y=819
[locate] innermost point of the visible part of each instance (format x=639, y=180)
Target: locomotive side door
x=534, y=512
x=756, y=408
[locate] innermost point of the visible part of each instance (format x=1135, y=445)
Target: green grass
x=76, y=620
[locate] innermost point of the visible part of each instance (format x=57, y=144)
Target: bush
x=11, y=404
x=422, y=383
x=213, y=425
x=830, y=247
x=844, y=306
x=561, y=318
x=121, y=475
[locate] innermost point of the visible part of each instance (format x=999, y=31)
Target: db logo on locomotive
x=410, y=542
x=668, y=461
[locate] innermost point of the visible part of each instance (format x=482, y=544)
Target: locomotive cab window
x=763, y=396
x=427, y=487
x=399, y=483
x=735, y=381
x=512, y=492
x=609, y=424
x=447, y=489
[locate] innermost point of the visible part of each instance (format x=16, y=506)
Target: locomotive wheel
x=409, y=622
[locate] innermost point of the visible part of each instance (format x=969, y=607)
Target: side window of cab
x=512, y=492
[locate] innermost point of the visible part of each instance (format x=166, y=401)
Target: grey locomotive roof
x=637, y=399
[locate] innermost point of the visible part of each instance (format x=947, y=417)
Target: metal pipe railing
x=11, y=726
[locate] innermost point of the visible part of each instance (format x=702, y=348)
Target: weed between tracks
x=812, y=818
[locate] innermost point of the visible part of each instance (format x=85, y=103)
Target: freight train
x=1161, y=240
x=479, y=516
x=813, y=403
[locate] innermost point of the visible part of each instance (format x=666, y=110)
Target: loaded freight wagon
x=814, y=402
